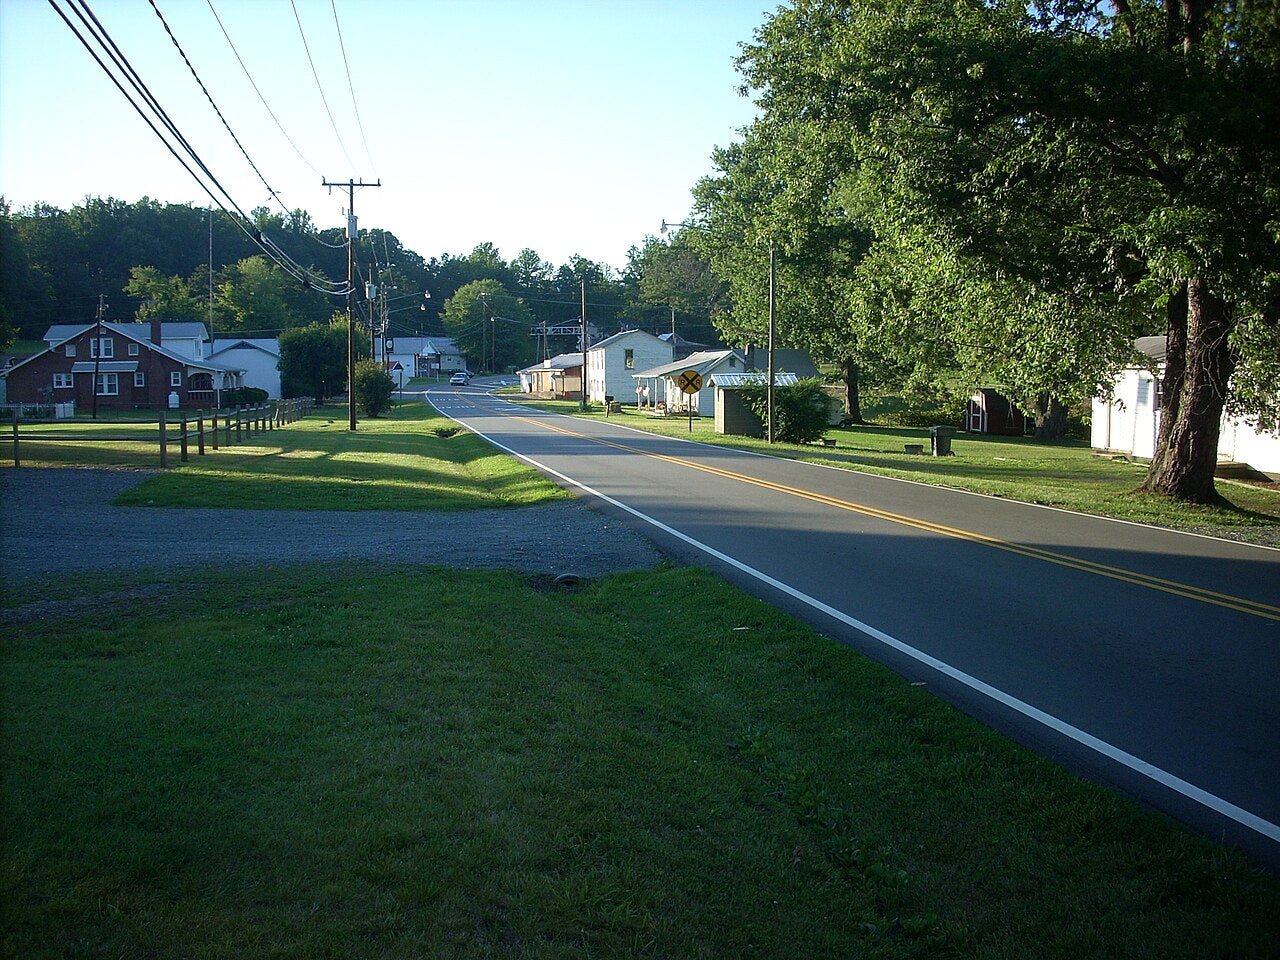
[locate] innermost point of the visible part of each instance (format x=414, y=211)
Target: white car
x=459, y=380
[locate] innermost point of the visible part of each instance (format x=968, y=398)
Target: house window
x=108, y=384
x=175, y=378
x=133, y=349
x=139, y=379
x=103, y=347
x=63, y=381
x=1144, y=391
x=71, y=349
x=629, y=358
x=733, y=361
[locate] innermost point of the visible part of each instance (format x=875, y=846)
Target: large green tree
x=313, y=360
x=1098, y=155
x=168, y=299
x=490, y=325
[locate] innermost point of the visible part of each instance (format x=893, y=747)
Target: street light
x=773, y=288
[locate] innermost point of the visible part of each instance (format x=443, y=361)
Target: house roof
x=270, y=347
x=703, y=362
x=124, y=330
x=1153, y=347
x=185, y=330
x=621, y=334
x=563, y=361
x=730, y=381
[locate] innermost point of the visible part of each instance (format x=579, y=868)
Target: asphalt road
x=1141, y=657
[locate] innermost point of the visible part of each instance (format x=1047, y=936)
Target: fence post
x=200, y=434
x=164, y=440
x=17, y=415
x=238, y=422
x=215, y=429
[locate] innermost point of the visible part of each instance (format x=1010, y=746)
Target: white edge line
x=1189, y=790
x=921, y=483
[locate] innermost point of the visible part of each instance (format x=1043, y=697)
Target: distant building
x=258, y=357
x=422, y=356
x=612, y=363
x=127, y=365
x=659, y=389
x=559, y=378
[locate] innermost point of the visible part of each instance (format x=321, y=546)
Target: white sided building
x=613, y=362
x=1128, y=419
x=258, y=357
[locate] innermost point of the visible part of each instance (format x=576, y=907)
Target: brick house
x=135, y=370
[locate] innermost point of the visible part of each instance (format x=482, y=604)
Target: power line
x=209, y=97
x=253, y=84
x=124, y=69
x=351, y=86
x=319, y=85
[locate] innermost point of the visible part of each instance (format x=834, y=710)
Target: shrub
x=799, y=409
x=243, y=396
x=374, y=387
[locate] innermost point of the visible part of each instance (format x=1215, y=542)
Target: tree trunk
x=852, y=400
x=1051, y=417
x=1198, y=364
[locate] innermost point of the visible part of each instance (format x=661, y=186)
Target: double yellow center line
x=1239, y=604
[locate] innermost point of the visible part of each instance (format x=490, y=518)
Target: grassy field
x=431, y=763
x=411, y=460
x=1064, y=474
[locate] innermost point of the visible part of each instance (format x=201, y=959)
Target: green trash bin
x=940, y=440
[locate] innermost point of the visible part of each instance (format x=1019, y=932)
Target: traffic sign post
x=690, y=382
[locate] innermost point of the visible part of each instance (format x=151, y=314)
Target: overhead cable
x=254, y=84
x=319, y=85
x=125, y=73
x=351, y=86
x=208, y=96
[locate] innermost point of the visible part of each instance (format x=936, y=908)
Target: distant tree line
x=154, y=260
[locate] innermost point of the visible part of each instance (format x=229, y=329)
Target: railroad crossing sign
x=690, y=381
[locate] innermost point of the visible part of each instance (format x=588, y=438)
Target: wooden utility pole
x=582, y=400
x=96, y=349
x=773, y=296
x=351, y=291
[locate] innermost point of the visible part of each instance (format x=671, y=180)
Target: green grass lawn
x=432, y=763
x=1063, y=474
x=397, y=462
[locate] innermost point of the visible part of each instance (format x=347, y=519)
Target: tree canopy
x=1041, y=183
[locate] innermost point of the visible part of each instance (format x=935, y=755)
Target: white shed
x=1127, y=420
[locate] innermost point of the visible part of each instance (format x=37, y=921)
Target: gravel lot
x=61, y=521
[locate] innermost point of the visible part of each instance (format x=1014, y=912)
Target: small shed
x=990, y=411
x=734, y=415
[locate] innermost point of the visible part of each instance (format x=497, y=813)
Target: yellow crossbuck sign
x=690, y=381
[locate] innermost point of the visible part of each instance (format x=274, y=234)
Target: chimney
x=156, y=335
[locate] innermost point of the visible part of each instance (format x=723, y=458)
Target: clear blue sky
x=568, y=126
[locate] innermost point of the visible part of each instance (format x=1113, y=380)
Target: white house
x=613, y=362
x=421, y=356
x=659, y=383
x=258, y=357
x=1128, y=419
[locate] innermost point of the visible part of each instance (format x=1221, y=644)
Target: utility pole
x=211, y=271
x=773, y=296
x=96, y=350
x=582, y=400
x=351, y=291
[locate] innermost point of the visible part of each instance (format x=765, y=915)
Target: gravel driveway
x=61, y=521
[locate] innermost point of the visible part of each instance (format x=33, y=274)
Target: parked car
x=459, y=379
